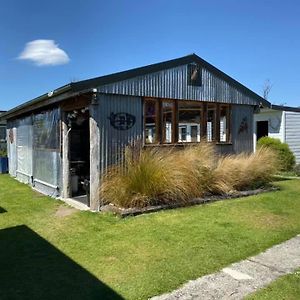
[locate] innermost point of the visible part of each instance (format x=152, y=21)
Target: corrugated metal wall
x=242, y=128
x=172, y=83
x=12, y=147
x=113, y=137
x=292, y=132
x=113, y=141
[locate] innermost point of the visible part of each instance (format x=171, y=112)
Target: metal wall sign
x=243, y=126
x=122, y=120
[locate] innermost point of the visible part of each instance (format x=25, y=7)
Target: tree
x=267, y=88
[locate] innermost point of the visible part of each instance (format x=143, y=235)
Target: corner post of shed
x=65, y=156
x=94, y=153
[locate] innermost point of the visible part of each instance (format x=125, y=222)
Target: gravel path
x=242, y=278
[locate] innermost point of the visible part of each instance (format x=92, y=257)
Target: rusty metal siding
x=242, y=128
x=114, y=141
x=172, y=83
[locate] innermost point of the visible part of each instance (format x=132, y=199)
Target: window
x=183, y=121
x=151, y=113
x=168, y=121
x=211, y=122
x=224, y=123
x=189, y=121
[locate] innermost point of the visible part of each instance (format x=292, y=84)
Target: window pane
x=150, y=121
x=168, y=117
x=224, y=123
x=211, y=122
x=189, y=120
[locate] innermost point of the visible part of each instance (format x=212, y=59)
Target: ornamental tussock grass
x=193, y=169
x=160, y=176
x=146, y=178
x=247, y=171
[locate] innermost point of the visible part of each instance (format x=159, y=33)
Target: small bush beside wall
x=3, y=153
x=286, y=157
x=159, y=176
x=297, y=169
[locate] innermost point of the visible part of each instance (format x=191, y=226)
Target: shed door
x=262, y=128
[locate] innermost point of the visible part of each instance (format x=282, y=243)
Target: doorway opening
x=262, y=129
x=79, y=154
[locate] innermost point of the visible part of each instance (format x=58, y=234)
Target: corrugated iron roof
x=74, y=88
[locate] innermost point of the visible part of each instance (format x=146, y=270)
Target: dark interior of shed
x=79, y=143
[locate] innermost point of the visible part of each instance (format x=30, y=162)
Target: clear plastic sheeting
x=46, y=147
x=46, y=130
x=46, y=166
x=24, y=146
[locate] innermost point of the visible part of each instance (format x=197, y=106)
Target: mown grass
x=147, y=255
x=286, y=287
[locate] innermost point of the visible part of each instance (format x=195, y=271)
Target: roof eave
x=38, y=102
x=285, y=108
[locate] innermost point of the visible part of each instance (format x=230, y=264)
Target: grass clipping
x=160, y=176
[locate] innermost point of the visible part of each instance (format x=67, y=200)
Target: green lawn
x=285, y=288
x=84, y=255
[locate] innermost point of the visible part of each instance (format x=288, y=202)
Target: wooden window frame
x=214, y=137
x=157, y=120
x=175, y=121
x=201, y=104
x=228, y=123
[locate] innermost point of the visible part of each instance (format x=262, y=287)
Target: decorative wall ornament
x=243, y=126
x=274, y=123
x=11, y=135
x=122, y=120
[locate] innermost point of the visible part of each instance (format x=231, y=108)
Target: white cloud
x=44, y=53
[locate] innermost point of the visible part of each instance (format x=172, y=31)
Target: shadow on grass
x=2, y=210
x=31, y=268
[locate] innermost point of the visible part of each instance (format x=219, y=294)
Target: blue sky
x=249, y=40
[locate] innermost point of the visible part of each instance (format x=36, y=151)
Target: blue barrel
x=3, y=165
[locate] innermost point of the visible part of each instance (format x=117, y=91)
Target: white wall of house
x=282, y=125
x=292, y=132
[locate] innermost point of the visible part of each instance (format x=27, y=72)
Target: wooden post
x=204, y=121
x=175, y=122
x=94, y=155
x=65, y=157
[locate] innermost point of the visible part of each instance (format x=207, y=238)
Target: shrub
x=286, y=157
x=297, y=169
x=144, y=179
x=247, y=171
x=157, y=176
x=3, y=152
x=193, y=169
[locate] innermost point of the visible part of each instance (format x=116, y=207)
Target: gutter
x=285, y=108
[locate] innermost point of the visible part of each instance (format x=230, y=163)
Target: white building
x=280, y=122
